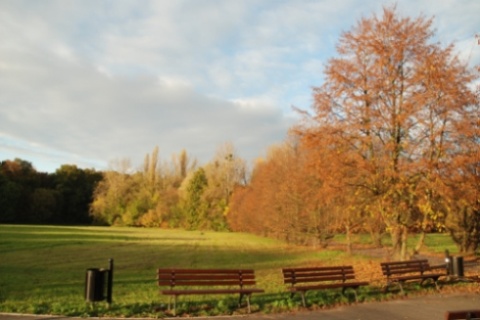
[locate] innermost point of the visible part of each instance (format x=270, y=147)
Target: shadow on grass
x=269, y=303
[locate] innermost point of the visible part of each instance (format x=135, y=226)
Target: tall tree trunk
x=349, y=239
x=376, y=238
x=395, y=234
x=404, y=238
x=420, y=243
x=399, y=236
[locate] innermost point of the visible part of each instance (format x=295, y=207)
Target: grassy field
x=42, y=268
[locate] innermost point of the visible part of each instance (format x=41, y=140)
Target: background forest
x=390, y=146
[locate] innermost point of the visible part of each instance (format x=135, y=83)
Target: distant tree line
x=178, y=193
x=158, y=194
x=62, y=197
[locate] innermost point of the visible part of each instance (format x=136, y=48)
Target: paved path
x=418, y=308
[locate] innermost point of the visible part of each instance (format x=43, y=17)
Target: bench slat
x=319, y=273
x=318, y=269
x=403, y=271
x=202, y=277
x=329, y=286
x=176, y=283
x=417, y=277
x=211, y=291
x=206, y=271
x=302, y=279
x=462, y=315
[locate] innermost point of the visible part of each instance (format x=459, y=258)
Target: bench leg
x=401, y=287
x=435, y=281
x=175, y=305
x=247, y=298
x=387, y=287
x=344, y=289
x=248, y=303
x=302, y=293
x=170, y=303
x=385, y=290
x=399, y=284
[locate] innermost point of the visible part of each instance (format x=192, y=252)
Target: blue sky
x=87, y=82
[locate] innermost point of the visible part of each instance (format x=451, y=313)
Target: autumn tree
x=10, y=200
x=195, y=206
x=45, y=201
x=182, y=165
x=282, y=200
x=147, y=196
x=113, y=194
x=225, y=171
x=165, y=209
x=205, y=193
x=386, y=120
x=73, y=192
x=17, y=178
x=462, y=184
x=145, y=202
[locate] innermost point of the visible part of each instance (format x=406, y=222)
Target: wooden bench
x=207, y=281
x=462, y=315
x=318, y=278
x=399, y=272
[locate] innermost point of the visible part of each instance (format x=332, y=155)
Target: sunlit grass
x=42, y=268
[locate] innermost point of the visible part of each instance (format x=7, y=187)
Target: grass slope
x=42, y=268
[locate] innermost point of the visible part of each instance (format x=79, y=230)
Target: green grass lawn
x=42, y=268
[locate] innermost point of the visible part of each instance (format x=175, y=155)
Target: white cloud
x=90, y=81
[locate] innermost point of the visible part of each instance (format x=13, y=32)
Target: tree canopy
x=393, y=121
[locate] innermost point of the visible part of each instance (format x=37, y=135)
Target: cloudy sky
x=86, y=82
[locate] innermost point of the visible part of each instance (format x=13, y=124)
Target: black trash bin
x=99, y=283
x=94, y=285
x=457, y=266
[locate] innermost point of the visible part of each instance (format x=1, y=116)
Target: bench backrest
x=317, y=274
x=403, y=267
x=462, y=315
x=205, y=277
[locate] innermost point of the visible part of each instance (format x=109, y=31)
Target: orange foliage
x=282, y=200
x=392, y=145
x=385, y=134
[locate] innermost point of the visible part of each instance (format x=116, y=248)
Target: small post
x=110, y=282
x=448, y=262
